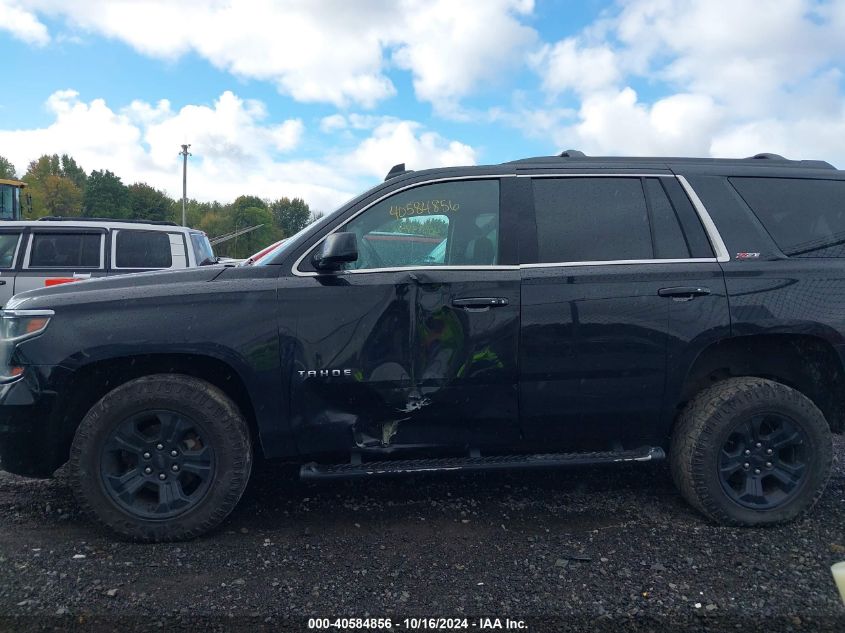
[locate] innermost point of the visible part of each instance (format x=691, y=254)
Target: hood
x=117, y=286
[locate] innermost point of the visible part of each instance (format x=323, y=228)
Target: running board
x=313, y=470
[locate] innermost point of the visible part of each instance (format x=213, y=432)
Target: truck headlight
x=17, y=326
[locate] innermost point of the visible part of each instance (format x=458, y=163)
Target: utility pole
x=184, y=154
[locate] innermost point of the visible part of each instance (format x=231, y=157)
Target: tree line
x=59, y=186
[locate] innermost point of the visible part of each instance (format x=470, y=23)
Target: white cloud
x=22, y=24
x=617, y=123
x=395, y=142
x=746, y=56
x=806, y=138
x=584, y=69
x=732, y=77
x=453, y=47
x=333, y=123
x=353, y=121
x=332, y=51
x=235, y=150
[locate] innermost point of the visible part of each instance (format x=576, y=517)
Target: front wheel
x=161, y=458
x=751, y=451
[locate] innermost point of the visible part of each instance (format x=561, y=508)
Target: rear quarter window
x=805, y=217
x=142, y=249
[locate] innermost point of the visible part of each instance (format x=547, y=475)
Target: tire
x=165, y=457
x=729, y=460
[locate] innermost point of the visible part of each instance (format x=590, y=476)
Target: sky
x=319, y=98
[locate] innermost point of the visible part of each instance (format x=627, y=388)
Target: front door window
x=442, y=224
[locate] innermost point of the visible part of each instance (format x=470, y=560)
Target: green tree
x=71, y=170
x=105, y=196
x=248, y=202
x=290, y=216
x=195, y=211
x=430, y=227
x=42, y=167
x=7, y=169
x=61, y=197
x=53, y=189
x=246, y=245
x=229, y=220
x=148, y=203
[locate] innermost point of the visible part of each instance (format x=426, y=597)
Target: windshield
x=293, y=240
x=8, y=202
x=202, y=248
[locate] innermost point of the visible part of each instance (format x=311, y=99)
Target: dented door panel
x=386, y=361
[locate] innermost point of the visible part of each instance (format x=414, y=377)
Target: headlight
x=17, y=326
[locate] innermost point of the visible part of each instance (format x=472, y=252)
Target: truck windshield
x=8, y=202
x=294, y=239
x=202, y=249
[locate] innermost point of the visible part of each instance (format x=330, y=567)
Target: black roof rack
x=574, y=153
x=397, y=170
x=575, y=157
x=767, y=156
x=59, y=218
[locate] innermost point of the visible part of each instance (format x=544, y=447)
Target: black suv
x=545, y=312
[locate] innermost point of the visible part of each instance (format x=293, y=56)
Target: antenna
x=396, y=170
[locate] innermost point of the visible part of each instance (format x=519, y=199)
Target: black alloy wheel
x=764, y=461
x=157, y=464
x=751, y=451
x=165, y=457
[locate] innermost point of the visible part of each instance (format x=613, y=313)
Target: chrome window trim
x=710, y=229
x=424, y=268
x=619, y=262
x=709, y=226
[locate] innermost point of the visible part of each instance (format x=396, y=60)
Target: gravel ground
x=591, y=549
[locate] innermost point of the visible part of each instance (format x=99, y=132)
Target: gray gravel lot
x=591, y=549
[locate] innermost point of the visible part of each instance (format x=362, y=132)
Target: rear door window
x=591, y=219
x=66, y=250
x=597, y=219
x=143, y=249
x=805, y=217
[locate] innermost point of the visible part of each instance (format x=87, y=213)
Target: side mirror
x=338, y=249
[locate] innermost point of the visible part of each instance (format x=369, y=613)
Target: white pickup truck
x=50, y=251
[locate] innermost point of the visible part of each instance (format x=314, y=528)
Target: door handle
x=2, y=282
x=684, y=292
x=480, y=303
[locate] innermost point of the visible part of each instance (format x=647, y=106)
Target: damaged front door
x=415, y=343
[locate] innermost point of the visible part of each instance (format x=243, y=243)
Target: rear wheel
x=750, y=451
x=160, y=458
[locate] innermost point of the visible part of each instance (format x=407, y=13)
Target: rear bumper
x=29, y=444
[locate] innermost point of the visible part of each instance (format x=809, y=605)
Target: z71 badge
x=748, y=255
